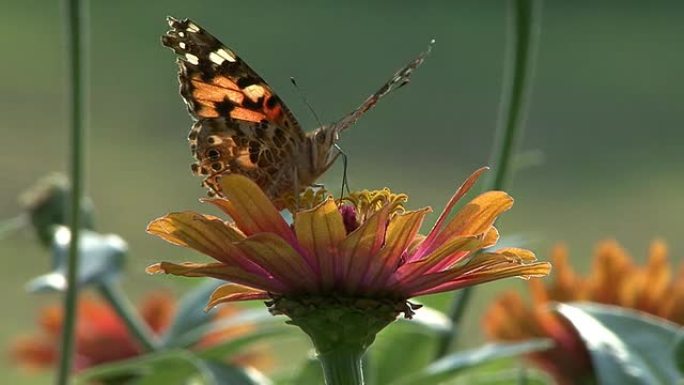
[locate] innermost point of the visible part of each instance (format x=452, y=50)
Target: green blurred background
x=603, y=141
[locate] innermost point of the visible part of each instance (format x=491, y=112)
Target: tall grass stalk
x=75, y=20
x=524, y=21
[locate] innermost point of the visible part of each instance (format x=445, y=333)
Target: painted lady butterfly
x=243, y=127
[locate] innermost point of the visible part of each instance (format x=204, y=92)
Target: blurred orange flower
x=614, y=279
x=366, y=246
x=102, y=337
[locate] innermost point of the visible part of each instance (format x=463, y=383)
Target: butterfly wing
x=398, y=80
x=241, y=125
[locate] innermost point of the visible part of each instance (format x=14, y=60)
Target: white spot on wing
x=192, y=58
x=216, y=58
x=192, y=27
x=226, y=54
x=182, y=45
x=254, y=92
x=181, y=34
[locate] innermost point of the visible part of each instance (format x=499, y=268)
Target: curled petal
x=360, y=247
x=483, y=267
x=319, y=231
x=219, y=271
x=205, y=233
x=279, y=258
x=462, y=190
x=401, y=232
x=459, y=246
x=232, y=292
x=250, y=208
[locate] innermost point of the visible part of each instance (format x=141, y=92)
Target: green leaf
x=452, y=364
x=219, y=373
x=388, y=357
x=174, y=367
x=101, y=259
x=235, y=345
x=258, y=318
x=310, y=373
x=626, y=346
x=171, y=367
x=679, y=351
x=428, y=320
x=191, y=315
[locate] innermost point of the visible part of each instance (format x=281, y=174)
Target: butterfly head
x=320, y=152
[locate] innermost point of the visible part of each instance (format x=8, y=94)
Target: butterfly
x=242, y=126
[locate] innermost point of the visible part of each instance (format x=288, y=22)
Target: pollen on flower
x=367, y=202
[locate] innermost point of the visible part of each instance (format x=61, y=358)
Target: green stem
x=523, y=36
x=74, y=22
x=126, y=311
x=342, y=366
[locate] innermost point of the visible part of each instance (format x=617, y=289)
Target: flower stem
x=126, y=311
x=523, y=36
x=342, y=366
x=74, y=21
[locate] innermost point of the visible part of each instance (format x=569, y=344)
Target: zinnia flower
x=102, y=337
x=614, y=279
x=366, y=247
x=344, y=269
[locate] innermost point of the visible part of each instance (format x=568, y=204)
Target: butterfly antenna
x=345, y=181
x=306, y=101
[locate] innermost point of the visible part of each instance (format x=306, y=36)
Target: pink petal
x=232, y=292
x=281, y=260
x=462, y=190
x=319, y=231
x=359, y=249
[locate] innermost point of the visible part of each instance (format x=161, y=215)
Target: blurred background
x=602, y=150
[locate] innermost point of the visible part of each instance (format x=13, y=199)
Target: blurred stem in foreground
x=129, y=315
x=75, y=19
x=524, y=20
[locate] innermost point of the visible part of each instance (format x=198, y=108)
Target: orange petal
x=459, y=246
x=320, y=231
x=478, y=215
x=401, y=232
x=219, y=271
x=483, y=267
x=250, y=208
x=207, y=234
x=462, y=190
x=232, y=292
x=360, y=248
x=279, y=259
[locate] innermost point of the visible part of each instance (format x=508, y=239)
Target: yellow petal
x=204, y=233
x=436, y=229
x=459, y=245
x=232, y=292
x=401, y=232
x=320, y=230
x=219, y=271
x=250, y=208
x=360, y=247
x=282, y=261
x=478, y=215
x=489, y=267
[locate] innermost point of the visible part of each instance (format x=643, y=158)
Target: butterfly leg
x=345, y=181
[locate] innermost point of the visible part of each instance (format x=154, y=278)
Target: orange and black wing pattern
x=241, y=125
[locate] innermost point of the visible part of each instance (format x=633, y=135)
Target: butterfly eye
x=320, y=137
x=213, y=154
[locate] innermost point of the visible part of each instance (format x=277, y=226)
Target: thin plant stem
x=74, y=22
x=524, y=17
x=126, y=311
